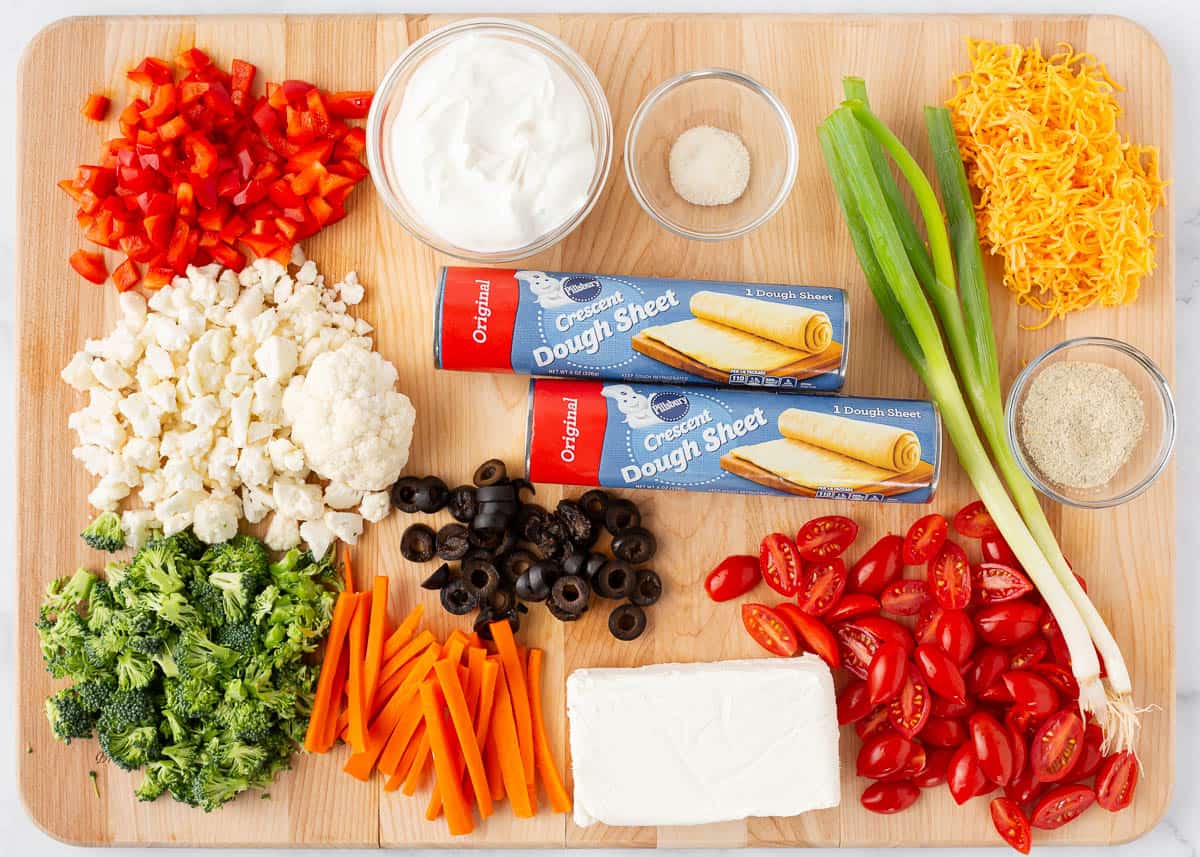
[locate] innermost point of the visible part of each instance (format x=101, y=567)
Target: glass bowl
x=390, y=95
x=722, y=99
x=1150, y=455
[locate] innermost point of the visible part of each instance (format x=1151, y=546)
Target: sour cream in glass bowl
x=489, y=140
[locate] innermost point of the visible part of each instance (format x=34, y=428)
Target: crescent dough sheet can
x=636, y=329
x=739, y=441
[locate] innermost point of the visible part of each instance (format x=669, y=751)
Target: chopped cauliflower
x=216, y=519
x=347, y=526
x=375, y=506
x=137, y=524
x=317, y=536
x=282, y=533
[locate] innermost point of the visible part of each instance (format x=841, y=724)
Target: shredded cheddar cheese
x=1064, y=199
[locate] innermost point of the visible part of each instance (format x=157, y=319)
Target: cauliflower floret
x=350, y=290
x=298, y=500
x=283, y=533
x=375, y=506
x=96, y=460
x=352, y=424
x=307, y=273
x=133, y=309
x=137, y=524
x=256, y=503
x=215, y=519
x=111, y=375
x=108, y=494
x=268, y=400
x=78, y=373
x=141, y=453
x=202, y=412
x=159, y=359
x=221, y=461
x=317, y=536
x=347, y=526
x=276, y=358
x=239, y=417
x=142, y=413
x=287, y=458
x=254, y=465
x=123, y=346
x=339, y=495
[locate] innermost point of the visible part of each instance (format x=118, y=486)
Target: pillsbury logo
x=581, y=289
x=669, y=407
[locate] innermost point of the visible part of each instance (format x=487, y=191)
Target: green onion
x=890, y=254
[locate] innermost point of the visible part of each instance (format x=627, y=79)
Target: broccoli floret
x=199, y=657
x=131, y=707
x=69, y=717
x=212, y=786
x=158, y=566
x=102, y=606
x=187, y=543
x=242, y=637
x=129, y=747
x=208, y=601
x=96, y=694
x=67, y=594
x=134, y=670
x=104, y=533
x=244, y=555
x=173, y=608
x=191, y=697
x=236, y=590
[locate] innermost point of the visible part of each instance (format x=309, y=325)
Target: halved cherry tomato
x=856, y=648
x=887, y=672
x=886, y=798
x=963, y=775
x=879, y=566
x=913, y=767
x=780, y=564
x=946, y=732
x=875, y=723
x=1020, y=748
x=993, y=747
x=905, y=597
x=974, y=521
x=996, y=693
x=990, y=663
x=995, y=549
x=1009, y=623
x=926, y=629
x=1031, y=652
x=937, y=762
x=1059, y=676
x=1031, y=692
x=950, y=577
x=940, y=673
x=824, y=584
x=824, y=538
x=943, y=707
x=853, y=605
x=734, y=576
x=853, y=703
x=992, y=582
x=1117, y=780
x=1021, y=722
x=1024, y=787
x=956, y=636
x=1056, y=746
x=1010, y=822
x=909, y=711
x=1059, y=652
x=770, y=630
x=924, y=539
x=886, y=630
x=1061, y=805
x=1090, y=756
x=883, y=755
x=814, y=634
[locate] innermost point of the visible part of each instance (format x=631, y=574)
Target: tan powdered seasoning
x=1079, y=422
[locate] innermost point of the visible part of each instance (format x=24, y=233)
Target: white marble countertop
x=1175, y=23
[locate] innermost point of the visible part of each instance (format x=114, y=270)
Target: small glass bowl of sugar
x=1091, y=422
x=711, y=154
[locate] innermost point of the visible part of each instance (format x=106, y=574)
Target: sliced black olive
x=523, y=485
x=615, y=580
x=575, y=563
x=501, y=601
x=462, y=503
x=480, y=553
x=504, y=492
x=431, y=495
x=595, y=504
x=458, y=599
x=487, y=616
x=635, y=545
x=418, y=544
x=578, y=526
x=514, y=563
x=621, y=515
x=560, y=614
x=482, y=578
x=529, y=521
x=595, y=562
x=490, y=472
x=570, y=594
x=548, y=547
x=485, y=522
x=535, y=583
x=627, y=622
x=489, y=538
x=452, y=542
x=647, y=588
x=507, y=543
x=504, y=510
x=404, y=492
x=438, y=579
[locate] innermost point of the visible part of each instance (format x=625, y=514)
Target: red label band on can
x=567, y=423
x=475, y=316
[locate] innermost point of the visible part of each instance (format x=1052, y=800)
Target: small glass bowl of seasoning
x=711, y=154
x=1091, y=422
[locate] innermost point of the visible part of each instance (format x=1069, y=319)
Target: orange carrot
x=559, y=799
x=458, y=814
x=418, y=764
x=514, y=672
x=347, y=571
x=454, y=648
x=401, y=740
x=336, y=724
x=393, y=783
x=403, y=655
x=491, y=756
x=460, y=717
x=403, y=633
x=472, y=685
x=376, y=631
x=323, y=700
x=357, y=732
x=504, y=738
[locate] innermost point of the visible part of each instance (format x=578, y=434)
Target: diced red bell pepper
x=209, y=239
x=287, y=228
x=318, y=150
x=232, y=229
x=242, y=78
x=136, y=247
x=228, y=256
x=95, y=178
x=300, y=127
x=151, y=71
x=185, y=201
x=350, y=168
x=260, y=245
x=316, y=108
x=177, y=255
x=305, y=181
x=173, y=129
x=89, y=265
x=101, y=231
x=282, y=254
x=201, y=152
x=293, y=92
x=193, y=58
x=96, y=106
x=157, y=277
x=351, y=146
x=190, y=91
x=155, y=202
x=126, y=275
x=350, y=105
x=218, y=100
x=131, y=116
x=158, y=229
x=89, y=202
x=162, y=105
x=250, y=193
x=332, y=184
x=70, y=190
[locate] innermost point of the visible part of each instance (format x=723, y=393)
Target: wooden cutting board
x=1127, y=554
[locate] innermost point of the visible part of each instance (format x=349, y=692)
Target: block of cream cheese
x=681, y=744
x=618, y=328
x=735, y=440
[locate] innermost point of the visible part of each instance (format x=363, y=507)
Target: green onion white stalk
x=900, y=271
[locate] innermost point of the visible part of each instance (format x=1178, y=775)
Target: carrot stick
x=514, y=672
x=357, y=732
x=323, y=699
x=559, y=799
x=460, y=717
x=491, y=766
x=420, y=760
x=393, y=783
x=404, y=654
x=455, y=646
x=335, y=725
x=376, y=631
x=472, y=685
x=483, y=720
x=403, y=632
x=504, y=737
x=347, y=571
x=458, y=814
x=401, y=740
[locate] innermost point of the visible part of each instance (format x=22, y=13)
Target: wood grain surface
x=1127, y=554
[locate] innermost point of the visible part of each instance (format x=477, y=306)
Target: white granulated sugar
x=709, y=166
